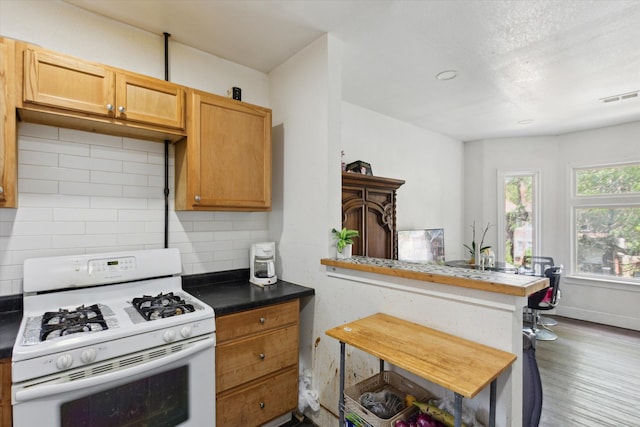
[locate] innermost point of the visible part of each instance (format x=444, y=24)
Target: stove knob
x=64, y=362
x=88, y=356
x=186, y=331
x=169, y=336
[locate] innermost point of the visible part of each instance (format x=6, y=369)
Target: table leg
x=457, y=422
x=341, y=403
x=492, y=403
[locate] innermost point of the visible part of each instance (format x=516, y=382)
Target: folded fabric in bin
x=383, y=404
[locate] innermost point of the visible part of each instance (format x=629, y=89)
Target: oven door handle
x=44, y=390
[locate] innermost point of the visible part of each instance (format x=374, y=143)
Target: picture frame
x=421, y=245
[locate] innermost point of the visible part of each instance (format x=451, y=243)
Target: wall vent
x=620, y=97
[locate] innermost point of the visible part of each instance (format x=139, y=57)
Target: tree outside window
x=518, y=220
x=607, y=221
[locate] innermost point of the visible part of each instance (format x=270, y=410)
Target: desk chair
x=536, y=303
x=531, y=382
x=536, y=266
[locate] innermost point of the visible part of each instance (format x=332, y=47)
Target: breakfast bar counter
x=491, y=281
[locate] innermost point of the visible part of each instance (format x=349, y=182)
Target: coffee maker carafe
x=262, y=264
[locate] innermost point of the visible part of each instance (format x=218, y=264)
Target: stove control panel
x=112, y=265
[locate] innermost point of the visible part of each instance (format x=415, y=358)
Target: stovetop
x=55, y=310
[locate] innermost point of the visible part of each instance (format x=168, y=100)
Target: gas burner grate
x=162, y=305
x=66, y=322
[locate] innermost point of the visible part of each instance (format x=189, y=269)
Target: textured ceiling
x=547, y=62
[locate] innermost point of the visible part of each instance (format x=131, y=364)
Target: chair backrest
x=536, y=265
x=531, y=382
x=553, y=274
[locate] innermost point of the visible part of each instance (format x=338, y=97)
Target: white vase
x=346, y=252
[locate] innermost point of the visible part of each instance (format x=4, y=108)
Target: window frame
x=613, y=201
x=535, y=211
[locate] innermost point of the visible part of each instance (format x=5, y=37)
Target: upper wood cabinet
x=225, y=163
x=8, y=137
x=369, y=206
x=69, y=88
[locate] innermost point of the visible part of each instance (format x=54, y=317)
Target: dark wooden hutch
x=369, y=206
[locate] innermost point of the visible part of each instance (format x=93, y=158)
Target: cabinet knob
x=261, y=405
x=121, y=109
x=109, y=107
x=197, y=198
x=262, y=320
x=262, y=355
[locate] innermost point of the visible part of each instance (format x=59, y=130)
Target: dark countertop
x=10, y=317
x=227, y=292
x=230, y=292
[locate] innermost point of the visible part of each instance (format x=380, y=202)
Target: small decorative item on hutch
x=361, y=167
x=344, y=240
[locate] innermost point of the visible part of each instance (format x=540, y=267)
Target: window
x=606, y=217
x=518, y=227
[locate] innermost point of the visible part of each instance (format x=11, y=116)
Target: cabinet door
x=61, y=81
x=229, y=155
x=5, y=393
x=148, y=100
x=8, y=136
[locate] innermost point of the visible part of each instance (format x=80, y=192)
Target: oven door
x=166, y=386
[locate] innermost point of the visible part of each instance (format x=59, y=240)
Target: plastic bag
x=383, y=404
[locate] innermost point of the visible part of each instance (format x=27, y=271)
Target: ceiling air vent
x=620, y=97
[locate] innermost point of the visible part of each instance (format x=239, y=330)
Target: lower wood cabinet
x=5, y=393
x=257, y=364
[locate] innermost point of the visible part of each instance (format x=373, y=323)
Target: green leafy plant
x=473, y=246
x=344, y=237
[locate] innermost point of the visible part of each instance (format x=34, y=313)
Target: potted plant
x=344, y=240
x=476, y=250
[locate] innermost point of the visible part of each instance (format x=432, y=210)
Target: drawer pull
x=262, y=320
x=262, y=356
x=261, y=405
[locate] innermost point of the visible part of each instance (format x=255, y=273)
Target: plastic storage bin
x=384, y=380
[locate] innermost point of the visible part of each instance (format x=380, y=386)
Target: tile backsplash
x=81, y=192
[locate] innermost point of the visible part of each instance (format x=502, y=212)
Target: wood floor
x=590, y=376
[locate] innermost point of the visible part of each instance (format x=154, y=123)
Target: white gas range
x=112, y=339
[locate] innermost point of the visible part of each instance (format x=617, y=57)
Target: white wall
x=81, y=192
x=553, y=156
x=430, y=163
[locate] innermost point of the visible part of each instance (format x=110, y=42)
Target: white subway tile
x=92, y=138
x=71, y=214
x=118, y=154
x=140, y=215
x=84, y=241
x=90, y=163
x=53, y=201
x=102, y=177
x=142, y=192
x=117, y=203
x=36, y=186
x=38, y=131
x=52, y=173
x=41, y=158
x=143, y=168
x=51, y=146
x=143, y=145
x=87, y=189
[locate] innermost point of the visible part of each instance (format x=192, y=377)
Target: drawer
x=260, y=402
x=249, y=322
x=245, y=360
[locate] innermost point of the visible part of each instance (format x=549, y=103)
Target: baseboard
x=599, y=317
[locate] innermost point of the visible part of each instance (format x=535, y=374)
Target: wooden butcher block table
x=462, y=366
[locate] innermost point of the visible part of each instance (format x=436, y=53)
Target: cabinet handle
x=197, y=198
x=109, y=107
x=262, y=355
x=121, y=109
x=261, y=405
x=262, y=320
